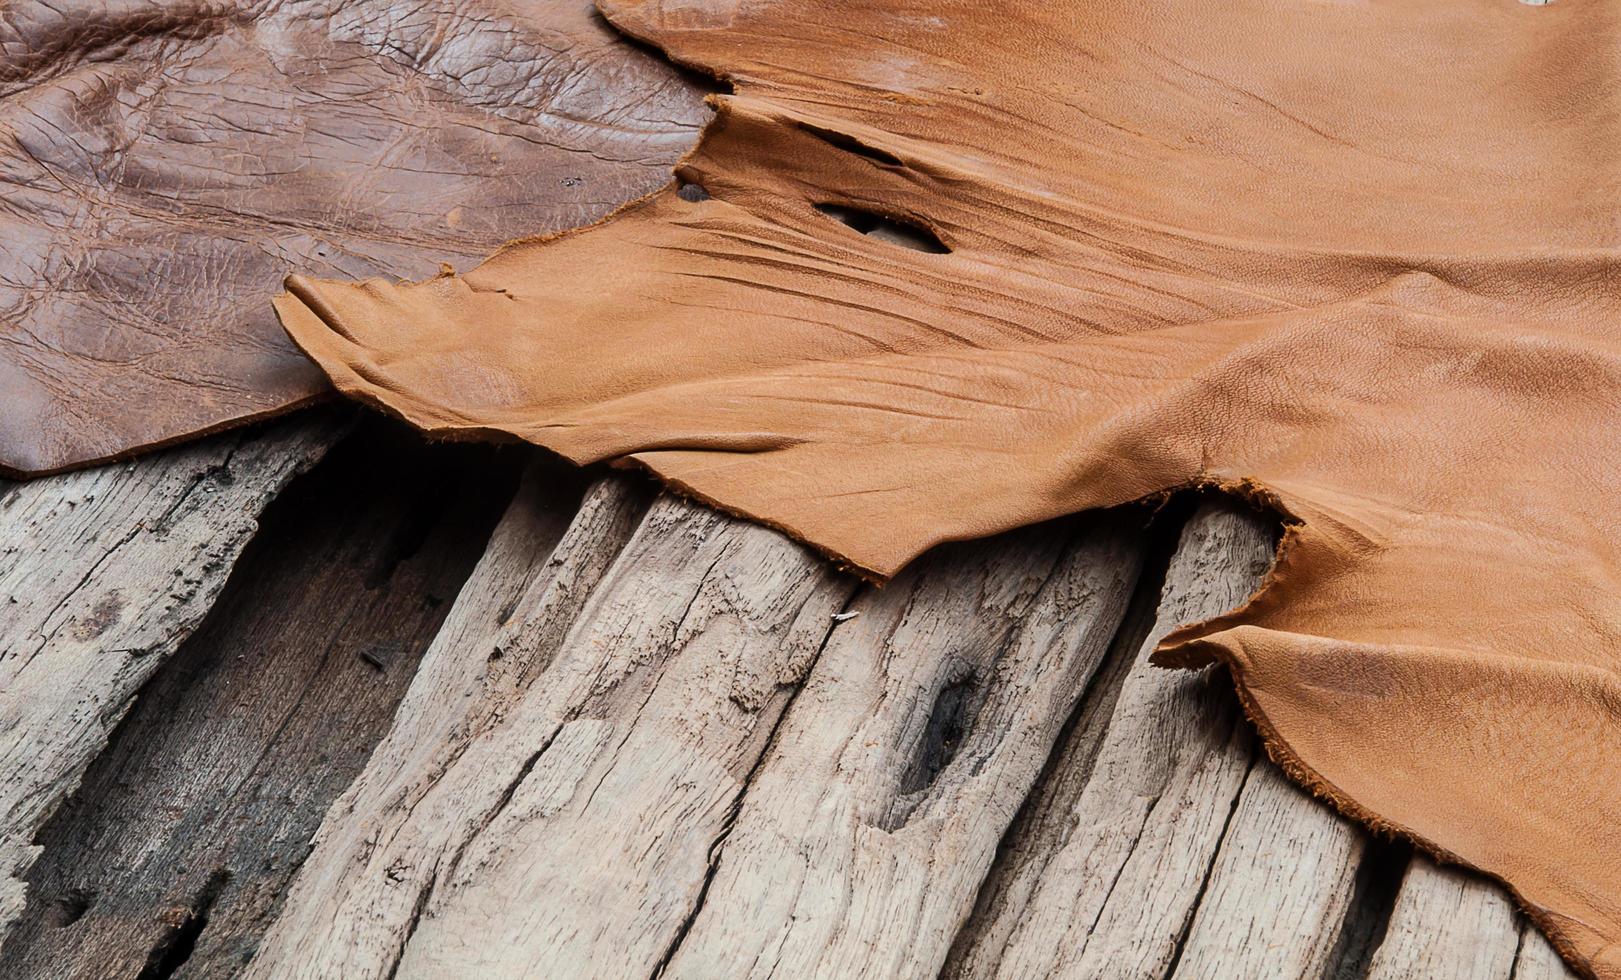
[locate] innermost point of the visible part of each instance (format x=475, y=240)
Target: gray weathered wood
x=180, y=841
x=649, y=747
x=102, y=573
x=1537, y=959
x=468, y=805
x=1114, y=892
x=642, y=732
x=1448, y=922
x=1043, y=815
x=1280, y=889
x=866, y=832
x=431, y=785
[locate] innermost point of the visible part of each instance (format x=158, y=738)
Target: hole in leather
x=691, y=192
x=886, y=229
x=850, y=144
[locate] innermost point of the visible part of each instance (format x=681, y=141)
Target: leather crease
x=1358, y=257
x=164, y=162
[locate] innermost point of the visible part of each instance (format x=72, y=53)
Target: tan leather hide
x=1359, y=258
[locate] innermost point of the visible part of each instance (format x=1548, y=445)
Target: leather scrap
x=1358, y=260
x=164, y=162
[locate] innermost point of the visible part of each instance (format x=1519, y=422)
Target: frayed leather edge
x=1187, y=646
x=687, y=492
x=1284, y=756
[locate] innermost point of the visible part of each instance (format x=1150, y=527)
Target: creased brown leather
x=1357, y=258
x=163, y=162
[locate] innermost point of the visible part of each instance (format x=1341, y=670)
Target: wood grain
x=1451, y=923
x=1113, y=891
x=449, y=763
x=207, y=795
x=103, y=573
x=1537, y=959
x=649, y=739
x=641, y=734
x=867, y=830
x=1280, y=889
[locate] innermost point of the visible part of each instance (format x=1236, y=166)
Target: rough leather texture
x=164, y=162
x=1358, y=259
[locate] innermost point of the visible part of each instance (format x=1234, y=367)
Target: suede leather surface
x=164, y=162
x=1357, y=259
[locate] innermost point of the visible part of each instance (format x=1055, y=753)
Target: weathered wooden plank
x=103, y=573
x=1113, y=891
x=865, y=834
x=1281, y=888
x=654, y=712
x=445, y=847
x=428, y=787
x=559, y=788
x=181, y=839
x=1042, y=818
x=1448, y=922
x=1537, y=959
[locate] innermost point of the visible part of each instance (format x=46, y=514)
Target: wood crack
x=228, y=761
x=718, y=845
x=1204, y=882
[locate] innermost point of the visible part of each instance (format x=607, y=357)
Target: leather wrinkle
x=1354, y=262
x=164, y=162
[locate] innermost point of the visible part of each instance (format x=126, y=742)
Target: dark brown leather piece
x=1359, y=258
x=163, y=163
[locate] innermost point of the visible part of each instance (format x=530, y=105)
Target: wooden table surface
x=539, y=722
